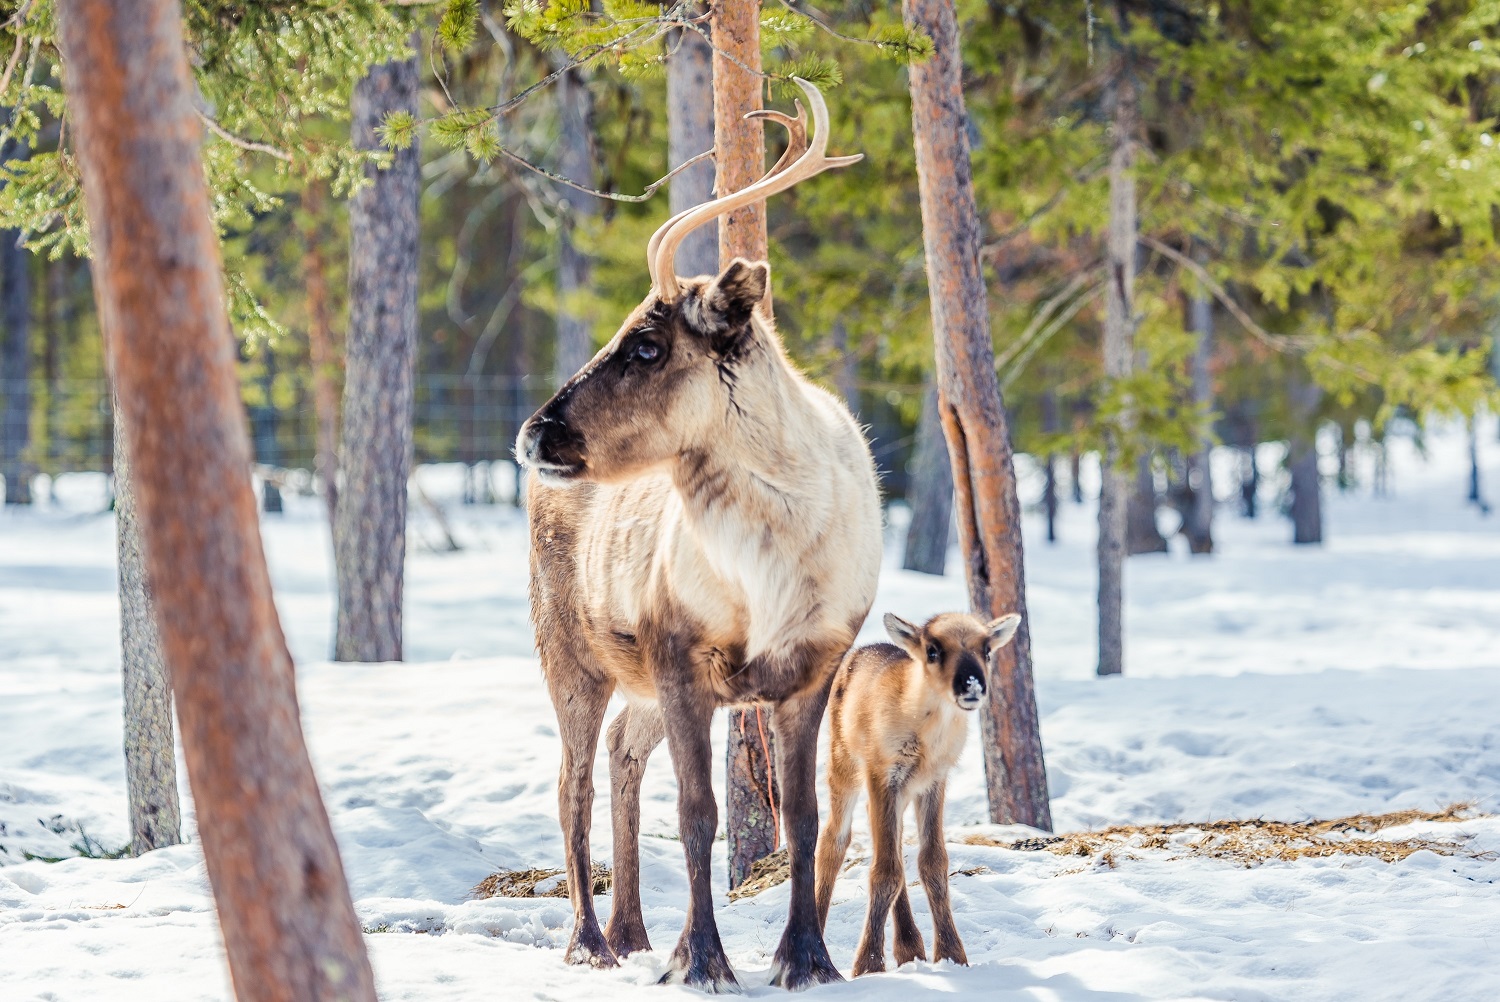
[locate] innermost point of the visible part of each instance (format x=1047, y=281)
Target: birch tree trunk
x=973, y=416
x=575, y=338
x=369, y=538
x=690, y=131
x=929, y=492
x=288, y=923
x=150, y=755
x=740, y=154
x=15, y=355
x=1199, y=525
x=320, y=349
x=1119, y=337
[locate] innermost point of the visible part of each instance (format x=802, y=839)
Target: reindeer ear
x=1003, y=630
x=728, y=299
x=903, y=634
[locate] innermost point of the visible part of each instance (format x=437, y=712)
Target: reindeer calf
x=897, y=721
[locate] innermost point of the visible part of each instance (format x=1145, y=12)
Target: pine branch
x=244, y=144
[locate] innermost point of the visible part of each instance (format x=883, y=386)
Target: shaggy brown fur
x=897, y=723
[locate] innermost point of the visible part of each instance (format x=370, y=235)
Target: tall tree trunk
x=1250, y=480
x=929, y=492
x=150, y=757
x=284, y=909
x=321, y=352
x=575, y=337
x=1302, y=460
x=973, y=416
x=846, y=365
x=15, y=355
x=690, y=131
x=1141, y=533
x=1119, y=337
x=1049, y=491
x=1198, y=527
x=1476, y=496
x=369, y=538
x=750, y=815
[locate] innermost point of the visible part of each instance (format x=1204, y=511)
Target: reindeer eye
x=646, y=351
x=933, y=654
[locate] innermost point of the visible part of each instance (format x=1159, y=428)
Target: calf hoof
x=953, y=951
x=627, y=938
x=908, y=950
x=804, y=964
x=588, y=946
x=869, y=964
x=704, y=967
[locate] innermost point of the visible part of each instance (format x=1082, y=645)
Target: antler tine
x=815, y=160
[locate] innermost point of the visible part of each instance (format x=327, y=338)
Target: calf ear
x=1003, y=630
x=904, y=635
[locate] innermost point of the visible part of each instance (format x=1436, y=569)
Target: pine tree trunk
x=575, y=141
x=284, y=909
x=1302, y=461
x=1198, y=526
x=15, y=355
x=369, y=536
x=1119, y=337
x=150, y=757
x=1249, y=481
x=740, y=160
x=846, y=366
x=322, y=355
x=1142, y=533
x=1049, y=491
x=1476, y=496
x=929, y=492
x=690, y=131
x=973, y=416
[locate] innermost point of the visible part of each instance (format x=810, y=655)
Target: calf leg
x=580, y=711
x=699, y=957
x=908, y=945
x=632, y=736
x=885, y=875
x=801, y=959
x=932, y=864
x=833, y=842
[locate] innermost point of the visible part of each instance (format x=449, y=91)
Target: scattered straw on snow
x=537, y=883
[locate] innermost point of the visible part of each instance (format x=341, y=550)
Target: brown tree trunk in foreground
x=150, y=756
x=974, y=419
x=288, y=923
x=369, y=539
x=750, y=814
x=929, y=493
x=690, y=131
x=1119, y=325
x=320, y=349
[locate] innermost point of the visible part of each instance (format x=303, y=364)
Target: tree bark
x=1119, y=337
x=289, y=926
x=1302, y=461
x=929, y=492
x=1142, y=533
x=150, y=756
x=370, y=528
x=1049, y=491
x=321, y=352
x=690, y=131
x=973, y=416
x=740, y=153
x=575, y=337
x=1198, y=526
x=15, y=355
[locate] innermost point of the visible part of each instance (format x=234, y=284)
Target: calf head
x=954, y=649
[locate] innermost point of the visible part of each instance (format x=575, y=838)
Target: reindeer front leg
x=580, y=712
x=932, y=864
x=802, y=957
x=885, y=873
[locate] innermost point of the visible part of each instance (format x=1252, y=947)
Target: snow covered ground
x=1265, y=681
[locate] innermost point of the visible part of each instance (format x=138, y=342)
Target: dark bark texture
x=15, y=355
x=929, y=492
x=973, y=416
x=289, y=926
x=150, y=757
x=690, y=131
x=1198, y=524
x=369, y=537
x=575, y=269
x=740, y=154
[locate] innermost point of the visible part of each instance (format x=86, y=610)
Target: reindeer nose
x=968, y=684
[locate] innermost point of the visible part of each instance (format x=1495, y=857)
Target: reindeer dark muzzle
x=550, y=446
x=969, y=685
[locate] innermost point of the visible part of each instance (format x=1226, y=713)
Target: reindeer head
x=954, y=649
x=658, y=388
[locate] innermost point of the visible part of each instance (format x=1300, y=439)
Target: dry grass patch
x=764, y=874
x=524, y=883
x=1256, y=841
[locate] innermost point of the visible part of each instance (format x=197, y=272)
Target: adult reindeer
x=705, y=532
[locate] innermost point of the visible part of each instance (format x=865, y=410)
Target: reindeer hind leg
x=632, y=737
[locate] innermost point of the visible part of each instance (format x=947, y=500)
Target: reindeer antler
x=662, y=248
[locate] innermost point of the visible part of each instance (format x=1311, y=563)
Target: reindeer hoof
x=588, y=947
x=701, y=965
x=626, y=940
x=802, y=962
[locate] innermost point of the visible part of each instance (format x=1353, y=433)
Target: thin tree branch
x=1044, y=314
x=1278, y=342
x=1029, y=351
x=244, y=144
x=614, y=196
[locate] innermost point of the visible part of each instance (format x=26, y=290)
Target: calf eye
x=933, y=654
x=646, y=351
